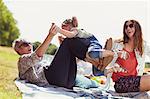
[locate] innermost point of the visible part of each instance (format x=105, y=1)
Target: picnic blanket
x=32, y=91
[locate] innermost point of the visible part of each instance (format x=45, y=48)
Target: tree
x=8, y=29
x=147, y=64
x=35, y=45
x=51, y=49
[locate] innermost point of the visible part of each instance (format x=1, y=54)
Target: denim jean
x=94, y=49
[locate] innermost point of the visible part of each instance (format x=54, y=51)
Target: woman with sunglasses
x=133, y=44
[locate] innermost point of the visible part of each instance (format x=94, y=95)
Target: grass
x=8, y=72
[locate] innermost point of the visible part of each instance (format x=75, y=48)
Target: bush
x=35, y=45
x=147, y=65
x=51, y=49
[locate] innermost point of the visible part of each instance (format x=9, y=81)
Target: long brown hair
x=138, y=40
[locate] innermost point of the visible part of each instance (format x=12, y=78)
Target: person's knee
x=144, y=86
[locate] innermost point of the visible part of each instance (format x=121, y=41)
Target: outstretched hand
x=53, y=30
x=40, y=51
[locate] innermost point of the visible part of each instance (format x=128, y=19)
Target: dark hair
x=138, y=40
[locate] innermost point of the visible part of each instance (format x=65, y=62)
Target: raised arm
x=66, y=33
x=43, y=47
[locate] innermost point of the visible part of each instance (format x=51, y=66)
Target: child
x=70, y=29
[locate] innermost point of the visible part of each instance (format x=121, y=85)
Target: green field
x=8, y=72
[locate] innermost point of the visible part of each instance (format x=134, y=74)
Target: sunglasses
x=130, y=26
x=25, y=44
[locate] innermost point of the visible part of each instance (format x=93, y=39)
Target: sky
x=103, y=18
